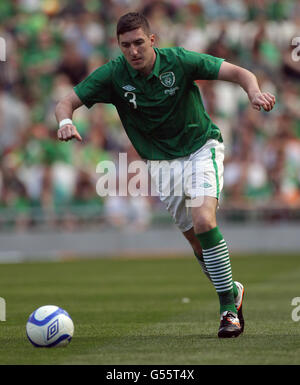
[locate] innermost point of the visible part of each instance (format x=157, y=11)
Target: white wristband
x=65, y=121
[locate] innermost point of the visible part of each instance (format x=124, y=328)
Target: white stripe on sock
x=221, y=256
x=215, y=248
x=218, y=265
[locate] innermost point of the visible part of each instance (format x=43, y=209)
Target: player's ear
x=152, y=39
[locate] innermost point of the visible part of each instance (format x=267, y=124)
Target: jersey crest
x=167, y=79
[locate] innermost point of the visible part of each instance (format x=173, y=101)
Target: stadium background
x=48, y=199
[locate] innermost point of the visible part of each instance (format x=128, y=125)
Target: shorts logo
x=167, y=79
x=52, y=330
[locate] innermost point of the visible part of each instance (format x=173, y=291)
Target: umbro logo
x=128, y=88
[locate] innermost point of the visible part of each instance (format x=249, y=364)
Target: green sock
x=235, y=289
x=217, y=262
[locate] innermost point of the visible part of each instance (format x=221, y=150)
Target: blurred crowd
x=52, y=45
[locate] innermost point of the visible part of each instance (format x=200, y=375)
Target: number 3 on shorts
x=133, y=100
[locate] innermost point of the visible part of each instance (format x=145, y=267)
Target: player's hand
x=263, y=100
x=68, y=132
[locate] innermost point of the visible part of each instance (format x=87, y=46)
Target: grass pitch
x=152, y=311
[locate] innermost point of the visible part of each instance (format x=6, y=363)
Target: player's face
x=138, y=50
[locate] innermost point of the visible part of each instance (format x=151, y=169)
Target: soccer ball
x=49, y=326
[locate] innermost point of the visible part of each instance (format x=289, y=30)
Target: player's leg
x=207, y=184
x=196, y=246
x=214, y=251
x=238, y=288
x=176, y=205
x=217, y=261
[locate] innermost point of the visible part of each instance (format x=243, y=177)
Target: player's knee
x=204, y=222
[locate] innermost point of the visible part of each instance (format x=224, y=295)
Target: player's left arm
x=247, y=80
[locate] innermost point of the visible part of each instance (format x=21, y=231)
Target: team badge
x=167, y=79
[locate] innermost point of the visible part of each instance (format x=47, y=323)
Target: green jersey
x=162, y=113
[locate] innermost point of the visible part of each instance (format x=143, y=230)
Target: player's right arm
x=248, y=81
x=203, y=66
x=64, y=112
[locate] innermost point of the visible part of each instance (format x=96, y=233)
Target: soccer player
x=162, y=112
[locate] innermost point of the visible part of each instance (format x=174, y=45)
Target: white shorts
x=180, y=181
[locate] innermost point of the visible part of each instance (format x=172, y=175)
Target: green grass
x=131, y=311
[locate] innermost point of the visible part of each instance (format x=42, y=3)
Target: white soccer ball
x=49, y=326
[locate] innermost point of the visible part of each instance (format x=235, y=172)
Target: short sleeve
x=199, y=65
x=97, y=87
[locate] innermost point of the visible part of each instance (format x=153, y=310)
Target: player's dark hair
x=131, y=21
